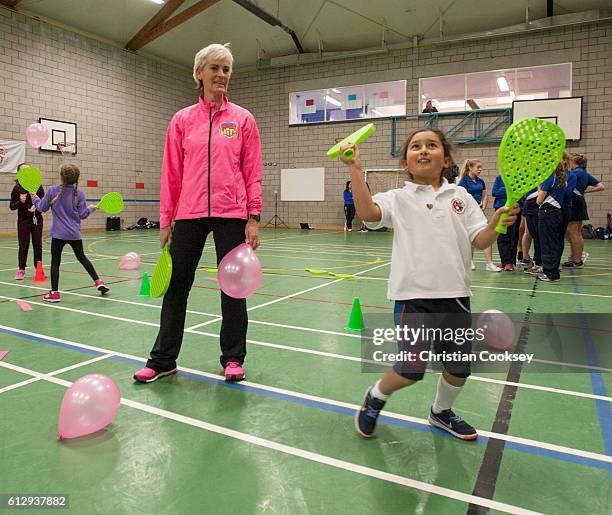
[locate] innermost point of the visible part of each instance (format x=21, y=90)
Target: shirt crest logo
x=458, y=206
x=229, y=129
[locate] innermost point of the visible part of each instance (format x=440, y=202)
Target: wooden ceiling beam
x=10, y=3
x=168, y=25
x=162, y=15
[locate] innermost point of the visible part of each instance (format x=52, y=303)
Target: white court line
x=289, y=296
x=332, y=402
x=191, y=311
x=50, y=374
x=474, y=377
x=329, y=354
x=543, y=291
x=300, y=453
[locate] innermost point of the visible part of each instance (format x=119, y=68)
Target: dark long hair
x=446, y=145
x=346, y=188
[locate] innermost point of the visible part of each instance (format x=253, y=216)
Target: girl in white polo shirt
x=435, y=225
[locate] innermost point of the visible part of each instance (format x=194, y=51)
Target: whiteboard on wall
x=303, y=184
x=565, y=112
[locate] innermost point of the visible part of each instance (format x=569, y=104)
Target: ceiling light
x=502, y=83
x=336, y=90
x=376, y=112
x=333, y=100
x=158, y=2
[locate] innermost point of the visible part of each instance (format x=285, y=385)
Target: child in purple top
x=68, y=206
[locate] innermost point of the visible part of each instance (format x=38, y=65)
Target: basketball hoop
x=67, y=148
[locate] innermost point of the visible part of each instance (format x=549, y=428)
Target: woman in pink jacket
x=211, y=182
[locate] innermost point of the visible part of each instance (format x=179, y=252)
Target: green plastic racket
x=29, y=178
x=316, y=271
x=111, y=203
x=162, y=273
x=356, y=137
x=341, y=276
x=530, y=151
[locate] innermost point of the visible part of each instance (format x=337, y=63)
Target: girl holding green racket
x=67, y=203
x=435, y=226
x=29, y=225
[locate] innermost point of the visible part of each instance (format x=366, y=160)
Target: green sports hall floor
x=283, y=441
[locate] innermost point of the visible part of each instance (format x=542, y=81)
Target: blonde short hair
x=214, y=52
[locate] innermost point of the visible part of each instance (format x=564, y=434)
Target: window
x=496, y=89
x=378, y=100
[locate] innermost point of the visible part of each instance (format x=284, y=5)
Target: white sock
x=375, y=392
x=445, y=396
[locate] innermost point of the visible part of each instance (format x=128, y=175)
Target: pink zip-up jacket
x=211, y=165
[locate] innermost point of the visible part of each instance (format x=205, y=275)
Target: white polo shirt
x=432, y=239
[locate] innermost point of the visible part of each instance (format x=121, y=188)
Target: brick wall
x=265, y=93
x=120, y=102
x=123, y=102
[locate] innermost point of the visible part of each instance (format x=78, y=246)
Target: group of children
x=68, y=205
x=436, y=226
x=549, y=214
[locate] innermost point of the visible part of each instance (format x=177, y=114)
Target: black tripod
x=276, y=220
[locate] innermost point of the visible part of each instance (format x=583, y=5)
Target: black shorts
x=530, y=208
x=579, y=209
x=453, y=313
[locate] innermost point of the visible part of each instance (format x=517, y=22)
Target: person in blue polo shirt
x=584, y=183
x=507, y=244
x=349, y=207
x=469, y=178
x=550, y=222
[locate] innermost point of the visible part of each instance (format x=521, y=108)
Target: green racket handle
x=500, y=228
x=348, y=153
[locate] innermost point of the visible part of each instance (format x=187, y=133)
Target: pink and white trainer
x=234, y=372
x=148, y=375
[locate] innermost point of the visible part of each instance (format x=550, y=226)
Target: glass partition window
x=385, y=99
x=495, y=89
x=490, y=90
x=348, y=103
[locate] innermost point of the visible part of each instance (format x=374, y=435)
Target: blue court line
x=482, y=440
x=604, y=410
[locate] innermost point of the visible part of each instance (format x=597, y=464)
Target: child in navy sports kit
x=68, y=206
x=507, y=244
x=584, y=183
x=435, y=225
x=469, y=178
x=550, y=223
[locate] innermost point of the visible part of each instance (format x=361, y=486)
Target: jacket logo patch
x=458, y=206
x=229, y=129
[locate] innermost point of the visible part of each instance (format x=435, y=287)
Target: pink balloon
x=37, y=134
x=131, y=261
x=498, y=329
x=90, y=404
x=240, y=272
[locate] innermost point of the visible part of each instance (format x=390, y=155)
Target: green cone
x=355, y=322
x=145, y=288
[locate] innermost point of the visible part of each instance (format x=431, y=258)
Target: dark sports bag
x=600, y=233
x=588, y=233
